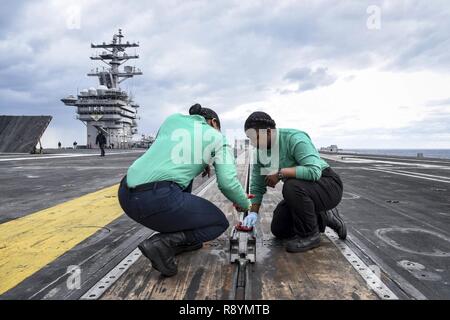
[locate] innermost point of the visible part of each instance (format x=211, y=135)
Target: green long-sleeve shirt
x=292, y=148
x=184, y=145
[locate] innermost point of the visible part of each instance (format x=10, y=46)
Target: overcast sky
x=359, y=74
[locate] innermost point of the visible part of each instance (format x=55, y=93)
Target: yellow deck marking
x=29, y=243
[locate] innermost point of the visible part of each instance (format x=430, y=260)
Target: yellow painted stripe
x=31, y=242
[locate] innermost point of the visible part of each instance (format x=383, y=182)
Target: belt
x=328, y=171
x=150, y=186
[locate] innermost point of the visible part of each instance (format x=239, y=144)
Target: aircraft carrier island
x=108, y=108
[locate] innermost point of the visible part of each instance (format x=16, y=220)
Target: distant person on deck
x=311, y=188
x=59, y=145
x=156, y=192
x=101, y=141
x=75, y=144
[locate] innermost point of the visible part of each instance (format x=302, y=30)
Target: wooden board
x=322, y=273
x=203, y=274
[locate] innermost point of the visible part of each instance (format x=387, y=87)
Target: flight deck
x=63, y=235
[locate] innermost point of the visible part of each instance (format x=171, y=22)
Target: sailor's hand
x=249, y=196
x=272, y=180
x=239, y=209
x=250, y=220
x=206, y=171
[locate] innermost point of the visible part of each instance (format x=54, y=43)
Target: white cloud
x=342, y=83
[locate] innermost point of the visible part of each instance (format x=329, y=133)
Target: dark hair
x=259, y=120
x=206, y=113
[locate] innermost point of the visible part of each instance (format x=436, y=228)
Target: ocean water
x=427, y=153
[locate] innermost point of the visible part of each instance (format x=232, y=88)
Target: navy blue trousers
x=170, y=209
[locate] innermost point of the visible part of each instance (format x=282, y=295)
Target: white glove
x=250, y=220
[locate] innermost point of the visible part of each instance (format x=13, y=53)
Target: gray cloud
x=9, y=9
x=221, y=53
x=308, y=79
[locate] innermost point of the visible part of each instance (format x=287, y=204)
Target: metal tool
x=243, y=240
x=242, y=244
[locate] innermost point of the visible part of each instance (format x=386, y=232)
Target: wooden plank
x=203, y=274
x=322, y=273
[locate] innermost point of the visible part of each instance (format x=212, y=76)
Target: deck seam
x=373, y=281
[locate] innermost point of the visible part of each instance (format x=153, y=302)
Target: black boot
x=187, y=248
x=160, y=250
x=335, y=222
x=298, y=244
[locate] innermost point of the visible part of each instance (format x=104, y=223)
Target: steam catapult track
x=64, y=236
x=244, y=265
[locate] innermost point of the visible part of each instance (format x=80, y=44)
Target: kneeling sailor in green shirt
x=311, y=189
x=156, y=190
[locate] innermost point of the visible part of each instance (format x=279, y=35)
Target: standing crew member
x=310, y=189
x=156, y=190
x=101, y=141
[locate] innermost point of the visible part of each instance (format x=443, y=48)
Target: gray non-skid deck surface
x=408, y=239
x=400, y=219
x=31, y=185
x=41, y=181
x=207, y=274
x=21, y=133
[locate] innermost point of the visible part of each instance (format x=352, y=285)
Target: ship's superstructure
x=107, y=108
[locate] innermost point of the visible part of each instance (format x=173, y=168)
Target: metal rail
x=242, y=252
